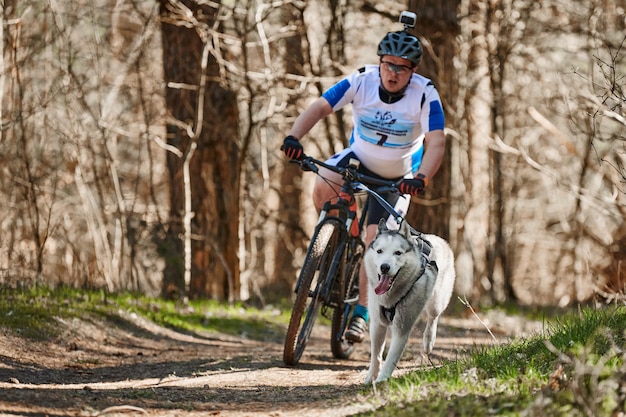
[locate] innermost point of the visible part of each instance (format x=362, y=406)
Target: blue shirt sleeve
x=436, y=119
x=336, y=92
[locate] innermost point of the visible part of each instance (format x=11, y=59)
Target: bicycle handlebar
x=349, y=173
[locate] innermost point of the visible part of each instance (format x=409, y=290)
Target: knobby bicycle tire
x=310, y=281
x=341, y=348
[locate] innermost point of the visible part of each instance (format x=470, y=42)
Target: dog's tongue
x=383, y=284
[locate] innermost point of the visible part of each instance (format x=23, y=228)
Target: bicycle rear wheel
x=310, y=283
x=342, y=348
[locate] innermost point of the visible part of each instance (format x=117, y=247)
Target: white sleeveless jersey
x=388, y=138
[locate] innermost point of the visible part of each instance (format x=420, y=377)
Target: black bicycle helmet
x=401, y=44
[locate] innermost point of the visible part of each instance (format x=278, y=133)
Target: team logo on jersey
x=385, y=118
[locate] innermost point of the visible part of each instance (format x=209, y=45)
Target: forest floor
x=127, y=365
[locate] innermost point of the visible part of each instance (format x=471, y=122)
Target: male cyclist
x=397, y=133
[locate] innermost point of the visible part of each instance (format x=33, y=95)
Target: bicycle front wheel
x=310, y=284
x=341, y=348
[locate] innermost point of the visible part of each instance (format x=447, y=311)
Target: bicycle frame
x=330, y=273
x=346, y=203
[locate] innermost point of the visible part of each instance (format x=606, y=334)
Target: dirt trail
x=138, y=368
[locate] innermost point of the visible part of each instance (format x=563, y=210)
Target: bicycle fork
x=352, y=223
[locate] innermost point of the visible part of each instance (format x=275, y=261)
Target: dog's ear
x=405, y=229
x=382, y=225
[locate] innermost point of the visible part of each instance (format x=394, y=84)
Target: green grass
x=211, y=316
x=34, y=313
x=29, y=312
x=576, y=368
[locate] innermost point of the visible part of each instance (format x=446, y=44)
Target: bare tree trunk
x=2, y=75
x=36, y=218
x=498, y=267
x=475, y=243
x=292, y=238
x=203, y=115
x=437, y=26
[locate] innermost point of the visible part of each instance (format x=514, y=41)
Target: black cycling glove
x=292, y=148
x=413, y=186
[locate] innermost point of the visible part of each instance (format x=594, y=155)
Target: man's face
x=395, y=72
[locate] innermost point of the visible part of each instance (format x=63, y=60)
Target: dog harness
x=425, y=248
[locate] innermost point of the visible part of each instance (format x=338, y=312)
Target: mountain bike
x=329, y=278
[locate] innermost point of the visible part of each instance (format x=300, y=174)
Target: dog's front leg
x=396, y=348
x=378, y=332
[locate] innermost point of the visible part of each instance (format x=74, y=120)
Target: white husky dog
x=409, y=276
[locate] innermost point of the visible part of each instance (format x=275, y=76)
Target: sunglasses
x=398, y=69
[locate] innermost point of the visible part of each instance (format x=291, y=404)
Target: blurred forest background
x=140, y=141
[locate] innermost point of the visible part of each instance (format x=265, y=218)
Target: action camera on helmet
x=408, y=19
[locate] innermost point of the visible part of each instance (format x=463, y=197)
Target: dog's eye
x=379, y=251
x=398, y=253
